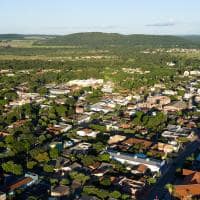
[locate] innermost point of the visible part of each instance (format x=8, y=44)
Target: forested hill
x=193, y=38
x=97, y=39
x=23, y=37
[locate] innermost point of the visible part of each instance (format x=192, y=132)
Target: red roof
x=19, y=183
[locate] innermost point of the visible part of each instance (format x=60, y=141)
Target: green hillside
x=23, y=37
x=193, y=38
x=11, y=36
x=97, y=39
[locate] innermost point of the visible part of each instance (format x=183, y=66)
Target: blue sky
x=122, y=16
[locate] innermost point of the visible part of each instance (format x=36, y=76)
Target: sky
x=173, y=17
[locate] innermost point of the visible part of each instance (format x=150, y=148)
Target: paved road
x=159, y=189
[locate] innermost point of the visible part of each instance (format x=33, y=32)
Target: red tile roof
x=19, y=183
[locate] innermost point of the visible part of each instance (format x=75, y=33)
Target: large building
x=152, y=164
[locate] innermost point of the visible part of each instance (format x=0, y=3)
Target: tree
x=88, y=160
x=13, y=168
x=115, y=194
x=97, y=127
x=53, y=153
x=105, y=181
x=48, y=168
x=42, y=157
x=79, y=177
x=105, y=157
x=99, y=146
x=65, y=181
x=91, y=190
x=31, y=164
x=125, y=197
x=151, y=181
x=53, y=181
x=42, y=138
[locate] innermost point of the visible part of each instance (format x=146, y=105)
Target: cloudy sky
x=121, y=16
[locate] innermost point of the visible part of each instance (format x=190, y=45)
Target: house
x=107, y=87
x=83, y=118
x=125, y=125
x=4, y=134
x=95, y=165
x=120, y=100
x=171, y=64
x=59, y=91
x=176, y=131
x=188, y=96
x=34, y=177
x=131, y=186
x=79, y=109
x=101, y=107
x=60, y=191
x=157, y=101
x=161, y=100
x=18, y=123
x=100, y=172
x=169, y=92
x=190, y=187
x=60, y=101
x=102, y=169
x=110, y=125
x=81, y=148
x=86, y=83
x=166, y=148
x=175, y=106
x=21, y=183
x=59, y=128
x=145, y=144
x=116, y=138
x=87, y=132
x=68, y=143
x=173, y=135
x=60, y=164
x=152, y=164
x=140, y=169
x=195, y=73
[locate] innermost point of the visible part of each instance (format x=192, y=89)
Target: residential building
x=190, y=186
x=152, y=164
x=60, y=191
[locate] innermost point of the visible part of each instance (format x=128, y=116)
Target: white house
x=153, y=165
x=59, y=91
x=87, y=132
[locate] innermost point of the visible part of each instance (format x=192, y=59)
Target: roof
x=185, y=191
x=142, y=168
x=132, y=141
x=132, y=157
x=95, y=165
x=60, y=190
x=190, y=186
x=19, y=123
x=191, y=177
x=19, y=183
x=116, y=139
